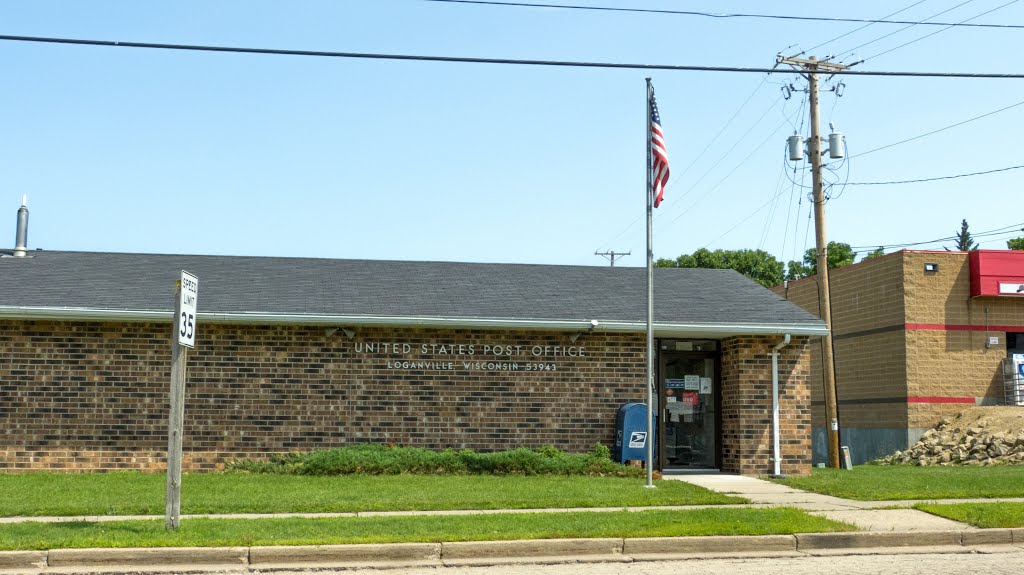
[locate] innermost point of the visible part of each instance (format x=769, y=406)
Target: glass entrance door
x=688, y=414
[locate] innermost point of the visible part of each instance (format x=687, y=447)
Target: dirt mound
x=977, y=436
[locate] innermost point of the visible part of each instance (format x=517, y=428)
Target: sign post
x=185, y=297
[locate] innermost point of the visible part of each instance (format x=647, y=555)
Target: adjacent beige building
x=918, y=335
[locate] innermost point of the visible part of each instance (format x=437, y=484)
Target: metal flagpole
x=650, y=306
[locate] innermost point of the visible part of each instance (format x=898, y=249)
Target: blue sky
x=133, y=150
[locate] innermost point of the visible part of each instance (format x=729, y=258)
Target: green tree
x=1015, y=243
x=874, y=254
x=964, y=242
x=757, y=265
x=839, y=255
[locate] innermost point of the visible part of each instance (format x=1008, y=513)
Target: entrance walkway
x=866, y=515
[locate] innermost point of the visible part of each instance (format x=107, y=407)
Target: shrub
x=601, y=451
x=550, y=451
x=373, y=459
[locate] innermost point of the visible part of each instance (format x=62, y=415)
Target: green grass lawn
x=885, y=482
x=985, y=515
x=300, y=531
x=39, y=494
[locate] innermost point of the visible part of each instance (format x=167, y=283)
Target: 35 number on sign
x=187, y=330
x=187, y=309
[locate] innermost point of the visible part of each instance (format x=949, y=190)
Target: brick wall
x=747, y=405
x=945, y=359
x=91, y=396
x=868, y=339
x=85, y=396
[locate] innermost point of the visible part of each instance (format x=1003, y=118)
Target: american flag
x=660, y=167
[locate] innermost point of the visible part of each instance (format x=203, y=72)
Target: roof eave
x=661, y=329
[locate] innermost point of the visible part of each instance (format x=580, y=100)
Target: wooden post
x=176, y=422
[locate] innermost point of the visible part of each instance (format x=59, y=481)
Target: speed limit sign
x=187, y=309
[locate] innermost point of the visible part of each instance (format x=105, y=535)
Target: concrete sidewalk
x=866, y=515
x=883, y=531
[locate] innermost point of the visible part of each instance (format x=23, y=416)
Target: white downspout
x=776, y=452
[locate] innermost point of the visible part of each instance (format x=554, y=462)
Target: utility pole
x=813, y=66
x=611, y=255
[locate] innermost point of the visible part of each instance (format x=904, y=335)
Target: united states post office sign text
x=468, y=356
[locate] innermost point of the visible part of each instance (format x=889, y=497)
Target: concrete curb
x=530, y=548
x=711, y=544
x=148, y=556
x=359, y=553
x=22, y=559
x=988, y=537
x=912, y=550
x=267, y=558
x=466, y=553
x=868, y=539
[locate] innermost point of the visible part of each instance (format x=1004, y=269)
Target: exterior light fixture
x=333, y=330
x=593, y=325
x=930, y=267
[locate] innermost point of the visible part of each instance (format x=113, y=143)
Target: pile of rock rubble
x=977, y=436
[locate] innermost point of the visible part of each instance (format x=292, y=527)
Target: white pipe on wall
x=776, y=452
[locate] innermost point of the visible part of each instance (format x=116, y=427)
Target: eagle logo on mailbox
x=637, y=439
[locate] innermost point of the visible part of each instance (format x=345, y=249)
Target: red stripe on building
x=961, y=327
x=925, y=399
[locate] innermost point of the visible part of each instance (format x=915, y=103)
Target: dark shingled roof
x=272, y=285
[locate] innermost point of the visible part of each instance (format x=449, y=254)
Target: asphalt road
x=946, y=564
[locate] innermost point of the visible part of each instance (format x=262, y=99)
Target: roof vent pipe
x=21, y=236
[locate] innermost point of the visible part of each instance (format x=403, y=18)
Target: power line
x=800, y=197
x=718, y=15
x=807, y=225
x=744, y=220
x=678, y=178
x=1011, y=229
x=687, y=210
x=508, y=61
x=771, y=213
x=884, y=36
x=859, y=28
x=936, y=32
x=740, y=164
x=936, y=131
x=729, y=151
x=1002, y=236
x=953, y=177
x=789, y=213
x=722, y=130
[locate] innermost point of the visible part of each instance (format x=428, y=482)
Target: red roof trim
x=961, y=327
x=933, y=399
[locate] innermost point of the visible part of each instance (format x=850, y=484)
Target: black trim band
x=875, y=331
x=872, y=401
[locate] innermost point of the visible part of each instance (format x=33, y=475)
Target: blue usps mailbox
x=631, y=435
